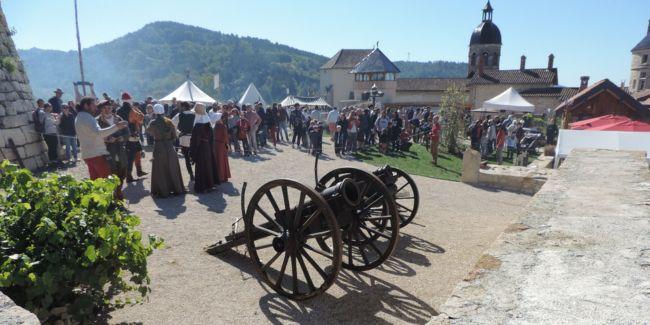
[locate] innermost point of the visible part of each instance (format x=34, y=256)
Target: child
x=339, y=141
x=405, y=139
x=316, y=137
x=244, y=127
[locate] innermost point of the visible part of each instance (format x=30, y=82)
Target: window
x=351, y=95
x=473, y=60
x=643, y=74
x=377, y=77
x=390, y=76
x=366, y=77
x=641, y=84
x=644, y=59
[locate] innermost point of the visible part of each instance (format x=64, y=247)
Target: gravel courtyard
x=455, y=224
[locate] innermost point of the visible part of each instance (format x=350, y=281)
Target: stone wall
x=10, y=313
x=16, y=106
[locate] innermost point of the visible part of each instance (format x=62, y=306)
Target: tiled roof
x=428, y=84
x=562, y=93
x=345, y=59
x=528, y=76
x=600, y=86
x=645, y=42
x=375, y=61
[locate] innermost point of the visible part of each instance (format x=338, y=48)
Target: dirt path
x=455, y=224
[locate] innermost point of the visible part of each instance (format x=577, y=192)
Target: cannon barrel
x=344, y=191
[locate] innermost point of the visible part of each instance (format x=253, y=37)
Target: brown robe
x=166, y=178
x=221, y=151
x=202, y=153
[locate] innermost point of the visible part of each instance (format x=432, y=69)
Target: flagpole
x=81, y=62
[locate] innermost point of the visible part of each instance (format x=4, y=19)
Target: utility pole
x=81, y=62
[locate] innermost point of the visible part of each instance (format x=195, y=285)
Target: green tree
x=452, y=113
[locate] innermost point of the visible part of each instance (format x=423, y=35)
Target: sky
x=587, y=37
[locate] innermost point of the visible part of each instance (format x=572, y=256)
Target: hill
x=153, y=60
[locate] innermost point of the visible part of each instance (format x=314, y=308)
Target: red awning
x=630, y=126
x=590, y=124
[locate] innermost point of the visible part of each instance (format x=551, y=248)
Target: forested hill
x=153, y=60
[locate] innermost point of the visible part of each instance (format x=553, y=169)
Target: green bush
x=68, y=245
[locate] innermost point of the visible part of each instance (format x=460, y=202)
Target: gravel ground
x=455, y=224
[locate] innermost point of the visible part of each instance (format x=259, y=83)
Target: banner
x=216, y=81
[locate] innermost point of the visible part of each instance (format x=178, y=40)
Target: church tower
x=485, y=44
x=640, y=72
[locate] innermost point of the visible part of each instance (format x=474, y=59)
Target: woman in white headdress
x=166, y=178
x=202, y=151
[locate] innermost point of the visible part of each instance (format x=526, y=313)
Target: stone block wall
x=16, y=106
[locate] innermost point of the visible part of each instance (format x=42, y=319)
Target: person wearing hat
x=221, y=148
x=115, y=143
x=202, y=151
x=166, y=178
x=91, y=138
x=134, y=148
x=56, y=101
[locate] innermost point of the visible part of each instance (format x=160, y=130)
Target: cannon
x=300, y=237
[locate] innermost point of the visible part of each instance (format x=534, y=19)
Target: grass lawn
x=417, y=162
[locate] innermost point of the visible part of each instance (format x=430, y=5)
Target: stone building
x=485, y=79
x=640, y=72
x=16, y=106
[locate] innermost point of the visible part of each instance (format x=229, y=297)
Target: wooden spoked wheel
x=282, y=222
x=372, y=234
x=406, y=196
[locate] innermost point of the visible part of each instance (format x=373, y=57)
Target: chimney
x=622, y=84
x=551, y=58
x=522, y=63
x=584, y=82
x=481, y=65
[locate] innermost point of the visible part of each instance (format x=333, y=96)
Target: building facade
x=346, y=76
x=640, y=71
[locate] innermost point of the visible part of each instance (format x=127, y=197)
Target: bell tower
x=485, y=42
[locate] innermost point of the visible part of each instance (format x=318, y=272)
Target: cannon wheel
x=278, y=243
x=371, y=238
x=407, y=196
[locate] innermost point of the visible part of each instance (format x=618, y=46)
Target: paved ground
x=579, y=255
x=455, y=225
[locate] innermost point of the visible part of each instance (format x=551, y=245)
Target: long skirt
x=166, y=178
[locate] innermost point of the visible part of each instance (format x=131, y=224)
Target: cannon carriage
x=300, y=237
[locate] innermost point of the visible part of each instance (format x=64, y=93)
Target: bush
x=68, y=245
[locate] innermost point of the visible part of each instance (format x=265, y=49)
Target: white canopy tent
x=508, y=101
x=188, y=92
x=304, y=101
x=251, y=96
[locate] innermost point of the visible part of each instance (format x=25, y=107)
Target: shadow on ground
x=366, y=298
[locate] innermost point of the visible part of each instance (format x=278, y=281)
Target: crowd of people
x=113, y=134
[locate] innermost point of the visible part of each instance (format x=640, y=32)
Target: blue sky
x=588, y=37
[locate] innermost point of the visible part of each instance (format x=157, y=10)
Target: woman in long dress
x=202, y=151
x=166, y=178
x=221, y=148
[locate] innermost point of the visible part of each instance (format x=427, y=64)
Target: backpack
x=39, y=126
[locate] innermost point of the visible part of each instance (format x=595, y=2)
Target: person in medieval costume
x=221, y=148
x=133, y=146
x=202, y=151
x=184, y=121
x=166, y=178
x=115, y=143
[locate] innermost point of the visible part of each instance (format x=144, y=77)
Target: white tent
x=251, y=96
x=509, y=101
x=304, y=101
x=188, y=92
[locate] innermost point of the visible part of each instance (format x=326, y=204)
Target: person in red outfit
x=221, y=148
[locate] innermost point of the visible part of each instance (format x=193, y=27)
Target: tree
x=452, y=114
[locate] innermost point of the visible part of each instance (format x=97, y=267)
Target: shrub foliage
x=68, y=243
